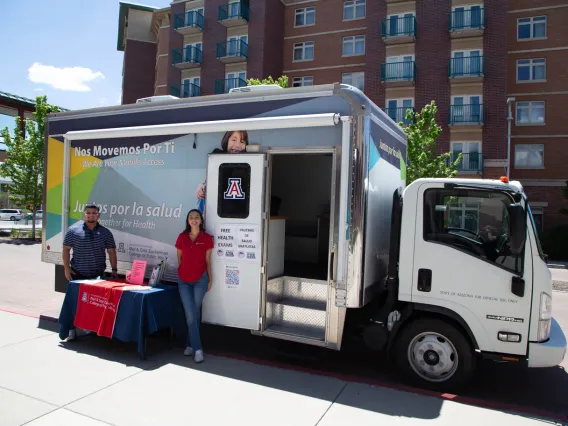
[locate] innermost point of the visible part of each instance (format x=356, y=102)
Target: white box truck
x=316, y=234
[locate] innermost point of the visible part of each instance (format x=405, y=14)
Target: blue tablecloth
x=140, y=313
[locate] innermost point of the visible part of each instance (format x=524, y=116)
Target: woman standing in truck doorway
x=194, y=247
x=233, y=142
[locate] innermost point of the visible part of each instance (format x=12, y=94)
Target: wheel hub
x=433, y=357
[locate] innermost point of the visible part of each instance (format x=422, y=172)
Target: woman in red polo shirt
x=194, y=252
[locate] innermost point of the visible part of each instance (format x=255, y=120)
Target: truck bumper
x=549, y=353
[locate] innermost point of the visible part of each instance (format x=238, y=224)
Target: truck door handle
x=424, y=280
x=518, y=286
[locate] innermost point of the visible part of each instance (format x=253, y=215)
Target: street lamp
x=509, y=119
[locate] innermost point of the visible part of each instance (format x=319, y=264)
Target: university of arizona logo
x=234, y=190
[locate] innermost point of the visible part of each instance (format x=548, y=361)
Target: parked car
x=29, y=216
x=11, y=214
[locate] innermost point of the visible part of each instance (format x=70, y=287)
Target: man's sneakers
x=188, y=351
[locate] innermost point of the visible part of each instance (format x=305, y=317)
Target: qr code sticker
x=231, y=277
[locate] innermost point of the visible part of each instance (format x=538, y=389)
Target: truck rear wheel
x=434, y=354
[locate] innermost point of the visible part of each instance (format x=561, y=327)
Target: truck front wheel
x=434, y=354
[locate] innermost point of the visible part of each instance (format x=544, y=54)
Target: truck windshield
x=535, y=232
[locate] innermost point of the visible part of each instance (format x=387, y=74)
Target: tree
x=282, y=81
x=25, y=160
x=422, y=133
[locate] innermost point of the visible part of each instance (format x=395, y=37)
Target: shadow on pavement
x=20, y=241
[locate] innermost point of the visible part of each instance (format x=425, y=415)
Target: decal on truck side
x=503, y=318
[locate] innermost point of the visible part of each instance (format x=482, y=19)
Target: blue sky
x=65, y=49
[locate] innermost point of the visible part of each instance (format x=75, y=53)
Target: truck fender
x=413, y=310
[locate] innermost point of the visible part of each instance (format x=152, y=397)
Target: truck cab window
x=475, y=222
x=234, y=191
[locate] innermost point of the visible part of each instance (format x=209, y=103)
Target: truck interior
x=300, y=188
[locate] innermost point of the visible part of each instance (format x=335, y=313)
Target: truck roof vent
x=259, y=88
x=156, y=99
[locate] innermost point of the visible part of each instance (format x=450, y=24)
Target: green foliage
x=25, y=161
x=282, y=81
x=422, y=133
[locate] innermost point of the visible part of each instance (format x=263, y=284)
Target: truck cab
x=475, y=278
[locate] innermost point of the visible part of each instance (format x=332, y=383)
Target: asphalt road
x=27, y=285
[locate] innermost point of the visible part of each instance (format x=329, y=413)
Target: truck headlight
x=545, y=317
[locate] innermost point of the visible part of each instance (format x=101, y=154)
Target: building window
x=531, y=69
x=190, y=87
x=467, y=17
x=302, y=81
x=530, y=113
x=396, y=109
x=528, y=28
x=304, y=51
x=472, y=159
x=356, y=9
x=355, y=79
x=466, y=63
x=529, y=156
x=400, y=25
x=305, y=16
x=353, y=46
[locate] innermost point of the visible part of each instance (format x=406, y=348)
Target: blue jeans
x=192, y=295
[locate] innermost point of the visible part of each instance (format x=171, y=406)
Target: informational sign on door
x=248, y=243
x=225, y=242
x=238, y=243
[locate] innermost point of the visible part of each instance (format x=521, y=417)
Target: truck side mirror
x=518, y=227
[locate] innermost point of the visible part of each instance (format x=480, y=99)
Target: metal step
x=296, y=289
x=295, y=332
x=297, y=314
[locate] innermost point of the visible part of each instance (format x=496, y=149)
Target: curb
x=493, y=405
x=28, y=314
x=557, y=266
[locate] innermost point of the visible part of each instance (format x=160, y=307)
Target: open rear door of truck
x=234, y=217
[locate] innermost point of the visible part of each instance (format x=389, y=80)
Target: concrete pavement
x=92, y=382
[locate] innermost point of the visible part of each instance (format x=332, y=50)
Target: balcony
x=188, y=23
x=471, y=163
x=467, y=23
x=232, y=51
x=399, y=30
x=468, y=69
x=234, y=14
x=223, y=86
x=398, y=73
x=466, y=115
x=186, y=58
x=399, y=114
x=186, y=90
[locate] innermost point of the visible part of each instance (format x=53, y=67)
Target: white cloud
x=38, y=89
x=71, y=79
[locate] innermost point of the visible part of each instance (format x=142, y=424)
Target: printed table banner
x=97, y=306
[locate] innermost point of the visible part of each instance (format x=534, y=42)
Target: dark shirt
x=89, y=256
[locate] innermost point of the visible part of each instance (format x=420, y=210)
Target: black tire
x=436, y=345
x=13, y=218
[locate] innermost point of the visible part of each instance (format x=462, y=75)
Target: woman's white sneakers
x=198, y=354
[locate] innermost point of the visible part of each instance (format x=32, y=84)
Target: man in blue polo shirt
x=89, y=241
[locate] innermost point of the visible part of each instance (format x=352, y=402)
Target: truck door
x=234, y=217
x=462, y=262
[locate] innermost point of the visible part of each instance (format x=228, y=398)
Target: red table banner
x=97, y=306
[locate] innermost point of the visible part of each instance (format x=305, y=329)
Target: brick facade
x=214, y=32
x=376, y=51
x=433, y=48
x=266, y=38
x=138, y=77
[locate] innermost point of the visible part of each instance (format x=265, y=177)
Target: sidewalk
x=47, y=382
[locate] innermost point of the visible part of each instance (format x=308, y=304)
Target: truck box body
x=328, y=157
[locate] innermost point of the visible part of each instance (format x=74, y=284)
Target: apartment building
x=469, y=56
x=538, y=81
